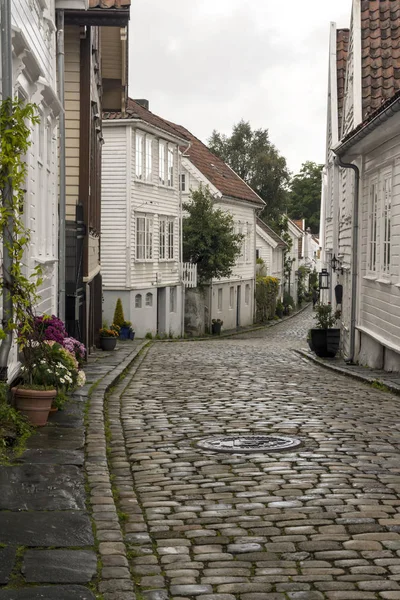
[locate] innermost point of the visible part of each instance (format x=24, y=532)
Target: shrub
x=119, y=318
x=14, y=429
x=267, y=289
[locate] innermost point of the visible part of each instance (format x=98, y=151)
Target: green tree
x=209, y=239
x=305, y=195
x=257, y=161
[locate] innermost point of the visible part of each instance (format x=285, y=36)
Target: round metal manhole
x=249, y=443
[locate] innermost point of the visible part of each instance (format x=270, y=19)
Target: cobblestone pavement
x=319, y=522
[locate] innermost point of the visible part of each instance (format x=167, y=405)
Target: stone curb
x=234, y=333
x=116, y=582
x=343, y=371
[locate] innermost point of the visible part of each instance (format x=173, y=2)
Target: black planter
x=131, y=334
x=325, y=342
x=108, y=343
x=124, y=333
x=216, y=328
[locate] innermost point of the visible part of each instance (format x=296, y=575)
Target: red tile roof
x=380, y=31
x=342, y=50
x=134, y=110
x=216, y=171
x=109, y=3
x=271, y=233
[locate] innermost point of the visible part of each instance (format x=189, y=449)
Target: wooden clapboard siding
x=72, y=117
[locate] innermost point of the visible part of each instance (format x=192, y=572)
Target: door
x=161, y=310
x=238, y=303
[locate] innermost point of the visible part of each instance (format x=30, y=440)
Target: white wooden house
x=141, y=220
x=361, y=199
x=34, y=81
x=271, y=248
x=293, y=259
x=230, y=299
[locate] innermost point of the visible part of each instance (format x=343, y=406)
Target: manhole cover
x=249, y=443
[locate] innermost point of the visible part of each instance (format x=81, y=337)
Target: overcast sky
x=206, y=64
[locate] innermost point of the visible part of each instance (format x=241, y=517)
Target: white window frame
x=161, y=161
x=231, y=297
x=166, y=238
x=373, y=229
x=139, y=155
x=149, y=300
x=148, y=155
x=138, y=301
x=219, y=299
x=183, y=183
x=248, y=243
x=170, y=166
x=387, y=202
x=144, y=237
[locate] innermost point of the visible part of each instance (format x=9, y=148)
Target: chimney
x=143, y=102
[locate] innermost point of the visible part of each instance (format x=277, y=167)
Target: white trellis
x=189, y=275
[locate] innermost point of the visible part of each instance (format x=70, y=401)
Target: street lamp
x=324, y=280
x=336, y=264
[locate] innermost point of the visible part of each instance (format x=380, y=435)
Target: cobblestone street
x=318, y=522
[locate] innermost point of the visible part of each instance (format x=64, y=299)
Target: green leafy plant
x=209, y=238
x=119, y=318
x=279, y=309
x=217, y=322
x=14, y=429
x=267, y=289
x=109, y=332
x=149, y=335
x=324, y=316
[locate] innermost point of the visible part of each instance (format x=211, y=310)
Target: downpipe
x=62, y=202
x=354, y=262
x=7, y=192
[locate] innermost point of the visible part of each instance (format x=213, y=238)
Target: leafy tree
x=252, y=156
x=209, y=239
x=305, y=195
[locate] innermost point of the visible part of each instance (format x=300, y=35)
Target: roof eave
x=101, y=17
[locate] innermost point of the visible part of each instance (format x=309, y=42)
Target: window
x=149, y=159
x=138, y=301
x=248, y=244
x=149, y=299
x=247, y=294
x=170, y=167
x=220, y=299
x=172, y=299
x=139, y=156
x=144, y=237
x=183, y=186
x=373, y=222
x=167, y=225
x=161, y=162
x=231, y=297
x=257, y=253
x=387, y=214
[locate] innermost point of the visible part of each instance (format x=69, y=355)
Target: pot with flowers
x=325, y=337
x=108, y=337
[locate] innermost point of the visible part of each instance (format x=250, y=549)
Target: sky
x=207, y=64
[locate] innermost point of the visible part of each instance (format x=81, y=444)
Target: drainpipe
x=62, y=203
x=180, y=156
x=354, y=263
x=7, y=92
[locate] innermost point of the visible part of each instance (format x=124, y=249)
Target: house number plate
x=249, y=444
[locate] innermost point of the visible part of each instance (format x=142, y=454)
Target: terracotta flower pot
x=34, y=404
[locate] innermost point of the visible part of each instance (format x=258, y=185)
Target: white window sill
x=167, y=260
x=164, y=186
x=370, y=277
x=144, y=260
x=45, y=261
x=384, y=281
x=144, y=182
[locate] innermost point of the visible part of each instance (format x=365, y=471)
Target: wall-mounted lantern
x=336, y=264
x=324, y=280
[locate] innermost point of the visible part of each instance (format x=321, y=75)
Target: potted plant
x=126, y=330
x=216, y=325
x=325, y=337
x=108, y=337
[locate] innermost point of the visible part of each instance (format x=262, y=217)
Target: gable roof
x=134, y=110
x=216, y=171
x=342, y=51
x=380, y=46
x=279, y=241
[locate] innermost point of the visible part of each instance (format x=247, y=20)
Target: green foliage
x=302, y=291
x=324, y=317
x=119, y=318
x=313, y=279
x=209, y=239
x=256, y=160
x=279, y=309
x=14, y=429
x=149, y=335
x=267, y=289
x=305, y=195
x=22, y=285
x=288, y=301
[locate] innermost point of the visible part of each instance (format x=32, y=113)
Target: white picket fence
x=189, y=275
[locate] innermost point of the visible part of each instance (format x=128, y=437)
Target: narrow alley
x=320, y=521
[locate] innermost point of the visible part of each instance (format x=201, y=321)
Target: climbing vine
x=267, y=289
x=15, y=121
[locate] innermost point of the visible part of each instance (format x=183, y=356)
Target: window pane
x=387, y=213
x=183, y=182
x=161, y=162
x=139, y=156
x=138, y=301
x=149, y=299
x=220, y=299
x=171, y=239
x=149, y=159
x=140, y=237
x=170, y=167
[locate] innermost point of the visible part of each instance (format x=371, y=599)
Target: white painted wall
x=233, y=292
